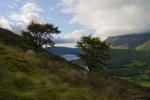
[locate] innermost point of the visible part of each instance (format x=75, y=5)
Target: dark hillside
x=9, y=38
x=129, y=41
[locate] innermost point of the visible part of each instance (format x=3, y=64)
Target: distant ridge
x=131, y=41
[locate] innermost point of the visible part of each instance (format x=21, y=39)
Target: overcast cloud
x=72, y=37
x=110, y=17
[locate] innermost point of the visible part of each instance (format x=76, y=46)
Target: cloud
x=53, y=8
x=110, y=17
x=17, y=21
x=4, y=23
x=10, y=6
x=71, y=37
x=27, y=13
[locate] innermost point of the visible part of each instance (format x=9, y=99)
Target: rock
x=30, y=52
x=79, y=75
x=111, y=91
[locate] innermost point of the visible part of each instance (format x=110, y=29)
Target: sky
x=75, y=18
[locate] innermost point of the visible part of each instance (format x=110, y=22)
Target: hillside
x=131, y=41
x=145, y=46
x=43, y=76
x=128, y=62
x=9, y=38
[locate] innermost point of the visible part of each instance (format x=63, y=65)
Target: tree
x=94, y=52
x=38, y=35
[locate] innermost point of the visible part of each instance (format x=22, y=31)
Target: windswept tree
x=38, y=35
x=94, y=52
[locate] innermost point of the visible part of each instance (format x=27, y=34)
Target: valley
x=131, y=64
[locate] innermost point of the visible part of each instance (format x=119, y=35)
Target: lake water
x=70, y=57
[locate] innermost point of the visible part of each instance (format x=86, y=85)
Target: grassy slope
x=47, y=77
x=145, y=46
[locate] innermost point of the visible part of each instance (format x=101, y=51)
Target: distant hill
x=131, y=41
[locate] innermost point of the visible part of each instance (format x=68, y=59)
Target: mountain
x=131, y=41
x=44, y=76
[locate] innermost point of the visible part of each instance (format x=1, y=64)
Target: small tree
x=94, y=52
x=38, y=35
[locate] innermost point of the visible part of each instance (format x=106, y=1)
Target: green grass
x=46, y=77
x=145, y=46
x=137, y=81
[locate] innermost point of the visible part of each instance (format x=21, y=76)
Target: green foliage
x=131, y=65
x=38, y=35
x=94, y=51
x=127, y=63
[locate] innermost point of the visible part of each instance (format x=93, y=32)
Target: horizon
x=68, y=45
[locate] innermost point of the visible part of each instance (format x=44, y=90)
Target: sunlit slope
x=145, y=46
